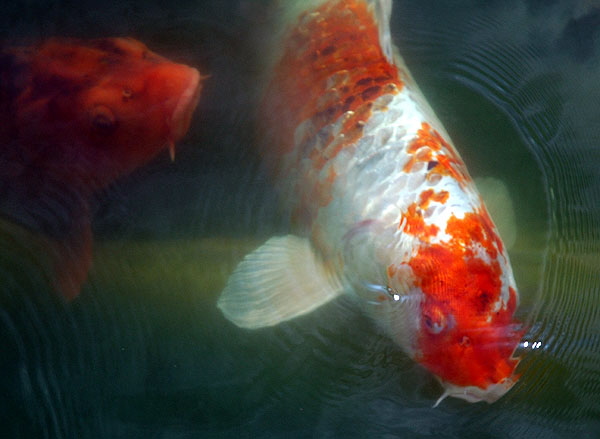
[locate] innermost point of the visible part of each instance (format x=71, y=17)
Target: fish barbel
x=384, y=206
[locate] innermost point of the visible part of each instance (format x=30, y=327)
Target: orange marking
x=489, y=227
x=447, y=160
x=473, y=228
x=413, y=220
x=453, y=167
x=429, y=195
x=414, y=223
x=429, y=137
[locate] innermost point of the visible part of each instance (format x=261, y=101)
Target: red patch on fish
x=466, y=338
x=76, y=115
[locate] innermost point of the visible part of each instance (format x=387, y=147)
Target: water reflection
x=145, y=349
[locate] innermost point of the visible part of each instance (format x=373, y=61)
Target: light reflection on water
x=144, y=349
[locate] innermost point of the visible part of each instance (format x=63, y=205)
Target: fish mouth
x=184, y=108
x=490, y=394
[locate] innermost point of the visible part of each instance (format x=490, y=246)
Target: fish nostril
x=435, y=326
x=102, y=118
x=436, y=319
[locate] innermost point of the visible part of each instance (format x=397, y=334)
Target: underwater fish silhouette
x=76, y=115
x=385, y=208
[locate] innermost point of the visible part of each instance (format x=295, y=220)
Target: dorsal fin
x=382, y=11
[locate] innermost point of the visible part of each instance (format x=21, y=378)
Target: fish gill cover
x=144, y=348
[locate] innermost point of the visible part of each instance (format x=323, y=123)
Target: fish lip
x=185, y=106
x=490, y=394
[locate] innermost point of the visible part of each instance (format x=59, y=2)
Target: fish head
x=106, y=106
x=471, y=355
x=465, y=332
x=140, y=107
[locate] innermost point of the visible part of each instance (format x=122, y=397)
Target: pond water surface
x=144, y=352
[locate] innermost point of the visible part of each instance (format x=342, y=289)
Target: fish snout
x=472, y=362
x=180, y=88
x=186, y=104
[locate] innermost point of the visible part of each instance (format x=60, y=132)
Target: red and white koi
x=385, y=208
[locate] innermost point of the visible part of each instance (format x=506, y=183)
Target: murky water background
x=143, y=352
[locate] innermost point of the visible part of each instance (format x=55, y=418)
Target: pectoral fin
x=280, y=280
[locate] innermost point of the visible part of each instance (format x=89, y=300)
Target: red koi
x=76, y=115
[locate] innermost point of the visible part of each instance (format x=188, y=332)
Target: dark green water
x=144, y=352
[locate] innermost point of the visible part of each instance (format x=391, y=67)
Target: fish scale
x=384, y=207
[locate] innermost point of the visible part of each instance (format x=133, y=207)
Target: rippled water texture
x=144, y=352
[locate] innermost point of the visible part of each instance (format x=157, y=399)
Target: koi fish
x=383, y=203
x=76, y=115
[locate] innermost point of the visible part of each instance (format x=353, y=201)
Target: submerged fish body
x=385, y=207
x=76, y=115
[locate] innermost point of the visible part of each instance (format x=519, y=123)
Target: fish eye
x=127, y=93
x=102, y=118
